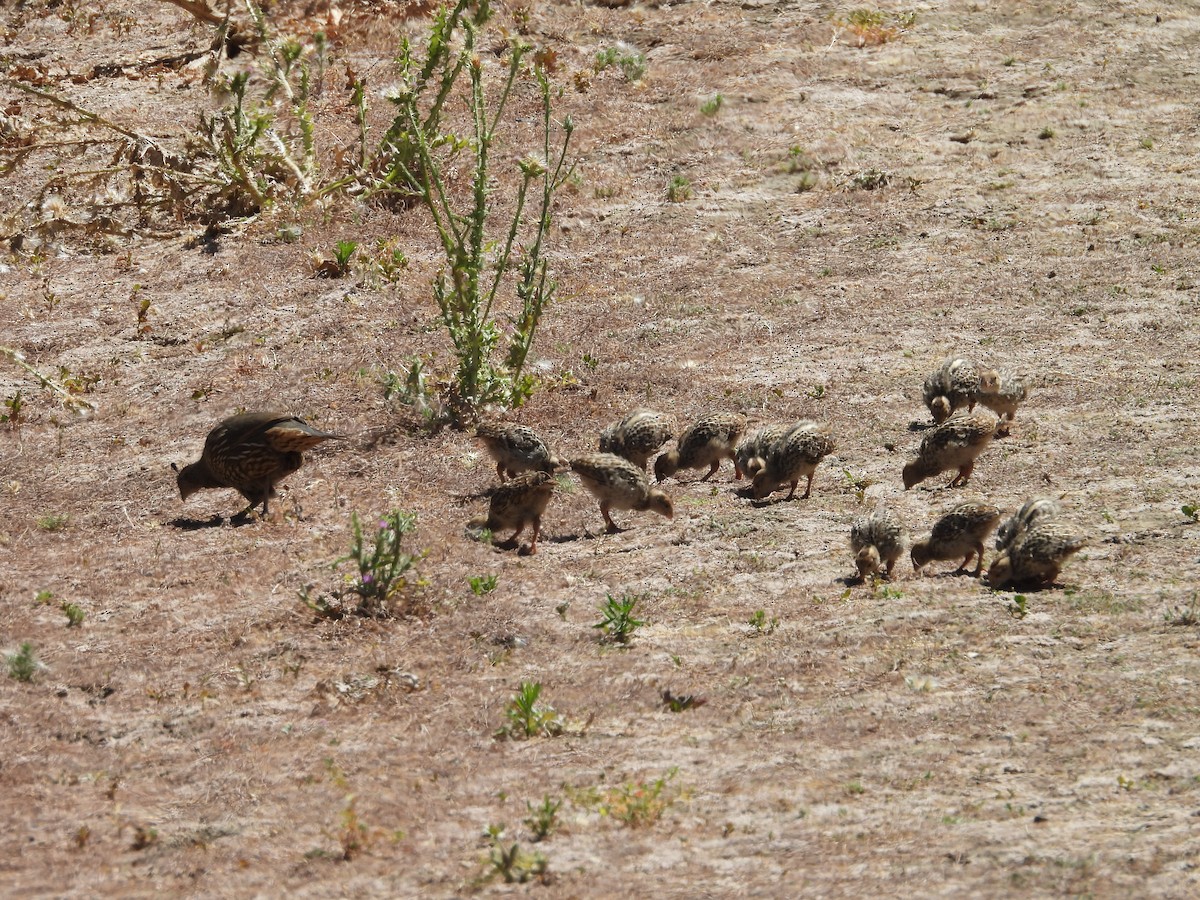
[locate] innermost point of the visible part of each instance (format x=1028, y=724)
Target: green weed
x=543, y=817
x=23, y=664
x=761, y=624
x=482, y=584
x=511, y=863
x=630, y=61
x=713, y=105
x=635, y=804
x=383, y=566
x=527, y=718
x=416, y=161
x=617, y=620
x=679, y=189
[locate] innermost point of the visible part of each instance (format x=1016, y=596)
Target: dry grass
x=201, y=732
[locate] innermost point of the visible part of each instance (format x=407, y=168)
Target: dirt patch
x=1007, y=181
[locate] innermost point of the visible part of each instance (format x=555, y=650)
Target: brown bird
x=517, y=448
x=619, y=484
x=250, y=453
x=791, y=457
x=638, y=436
x=1036, y=555
x=1038, y=509
x=750, y=455
x=955, y=444
x=1004, y=394
x=956, y=384
x=712, y=439
x=959, y=533
x=517, y=503
x=877, y=539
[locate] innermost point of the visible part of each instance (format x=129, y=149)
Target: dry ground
x=199, y=733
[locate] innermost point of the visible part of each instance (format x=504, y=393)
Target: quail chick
x=955, y=385
x=750, y=455
x=877, y=540
x=1003, y=394
x=619, y=484
x=637, y=436
x=712, y=439
x=250, y=453
x=959, y=533
x=791, y=457
x=1040, y=509
x=955, y=444
x=1036, y=555
x=517, y=503
x=517, y=448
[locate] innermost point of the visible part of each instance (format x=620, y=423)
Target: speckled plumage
x=791, y=457
x=957, y=383
x=1036, y=555
x=1003, y=395
x=955, y=444
x=959, y=533
x=517, y=448
x=1038, y=509
x=250, y=453
x=638, y=436
x=877, y=539
x=750, y=454
x=619, y=484
x=711, y=439
x=520, y=502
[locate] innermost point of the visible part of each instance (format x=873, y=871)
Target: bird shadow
x=563, y=538
x=185, y=524
x=921, y=426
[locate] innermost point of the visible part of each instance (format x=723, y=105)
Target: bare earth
x=202, y=733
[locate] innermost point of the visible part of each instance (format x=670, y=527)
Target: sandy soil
x=1009, y=181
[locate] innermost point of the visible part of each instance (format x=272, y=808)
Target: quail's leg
x=964, y=475
x=500, y=470
x=792, y=492
x=808, y=489
x=978, y=560
x=244, y=514
x=512, y=538
x=713, y=470
x=612, y=526
x=737, y=470
x=537, y=530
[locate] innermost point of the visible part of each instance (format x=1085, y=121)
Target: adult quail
x=250, y=453
x=750, y=454
x=711, y=439
x=877, y=539
x=517, y=503
x=1036, y=555
x=637, y=436
x=956, y=384
x=619, y=484
x=517, y=448
x=791, y=457
x=955, y=444
x=959, y=533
